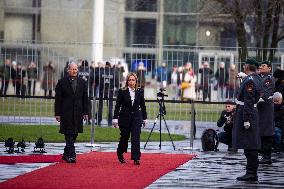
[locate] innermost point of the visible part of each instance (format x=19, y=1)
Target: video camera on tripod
x=162, y=111
x=161, y=94
x=160, y=97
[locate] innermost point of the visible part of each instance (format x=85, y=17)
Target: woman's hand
x=115, y=123
x=144, y=123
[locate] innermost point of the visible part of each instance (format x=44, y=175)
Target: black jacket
x=226, y=120
x=71, y=106
x=124, y=109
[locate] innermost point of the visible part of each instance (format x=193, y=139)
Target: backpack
x=209, y=140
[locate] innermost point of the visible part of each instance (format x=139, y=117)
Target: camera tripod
x=162, y=112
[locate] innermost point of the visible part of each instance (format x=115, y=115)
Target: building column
x=98, y=31
x=160, y=32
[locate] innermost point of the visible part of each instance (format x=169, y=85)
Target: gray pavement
x=207, y=170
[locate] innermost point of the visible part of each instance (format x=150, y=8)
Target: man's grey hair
x=71, y=63
x=277, y=95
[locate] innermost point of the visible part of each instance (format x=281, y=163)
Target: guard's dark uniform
x=106, y=81
x=266, y=115
x=130, y=118
x=248, y=139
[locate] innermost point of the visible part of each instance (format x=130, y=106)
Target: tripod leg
x=151, y=130
x=169, y=132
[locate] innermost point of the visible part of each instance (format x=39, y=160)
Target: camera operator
x=226, y=120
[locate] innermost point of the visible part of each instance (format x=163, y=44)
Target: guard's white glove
x=144, y=123
x=246, y=124
x=260, y=100
x=241, y=75
x=115, y=123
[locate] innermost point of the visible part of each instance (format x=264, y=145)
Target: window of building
x=179, y=30
x=140, y=31
x=182, y=6
x=141, y=5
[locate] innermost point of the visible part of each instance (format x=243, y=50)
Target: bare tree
x=265, y=17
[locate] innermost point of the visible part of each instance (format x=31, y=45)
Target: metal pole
x=92, y=143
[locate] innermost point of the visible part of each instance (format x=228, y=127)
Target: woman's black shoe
x=136, y=162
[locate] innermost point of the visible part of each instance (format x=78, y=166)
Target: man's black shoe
x=120, y=157
x=72, y=160
x=265, y=161
x=68, y=159
x=136, y=162
x=248, y=177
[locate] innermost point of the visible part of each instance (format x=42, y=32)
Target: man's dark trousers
x=252, y=161
x=69, y=150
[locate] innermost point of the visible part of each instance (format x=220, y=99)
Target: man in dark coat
x=265, y=111
x=71, y=107
x=245, y=131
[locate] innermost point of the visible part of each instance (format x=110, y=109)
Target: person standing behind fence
x=6, y=73
x=20, y=80
x=265, y=110
x=129, y=115
x=32, y=78
x=141, y=74
x=189, y=79
x=233, y=84
x=106, y=84
x=221, y=76
x=161, y=76
x=205, y=82
x=48, y=82
x=246, y=130
x=71, y=107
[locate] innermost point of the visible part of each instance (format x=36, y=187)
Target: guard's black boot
x=120, y=157
x=249, y=176
x=265, y=160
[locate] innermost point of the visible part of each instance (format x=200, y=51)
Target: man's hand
x=144, y=123
x=57, y=118
x=115, y=123
x=85, y=117
x=246, y=124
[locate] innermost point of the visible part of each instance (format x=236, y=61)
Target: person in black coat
x=71, y=107
x=246, y=129
x=265, y=111
x=130, y=114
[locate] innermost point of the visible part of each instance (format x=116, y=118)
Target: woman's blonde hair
x=127, y=78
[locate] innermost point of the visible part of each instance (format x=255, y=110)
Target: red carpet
x=30, y=159
x=99, y=170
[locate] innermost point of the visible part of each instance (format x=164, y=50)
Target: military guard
x=246, y=131
x=265, y=108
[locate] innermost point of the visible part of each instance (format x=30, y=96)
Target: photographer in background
x=226, y=120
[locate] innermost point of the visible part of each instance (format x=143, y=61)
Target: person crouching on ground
x=278, y=143
x=226, y=120
x=129, y=115
x=71, y=107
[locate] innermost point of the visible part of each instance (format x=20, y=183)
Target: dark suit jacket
x=124, y=110
x=71, y=106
